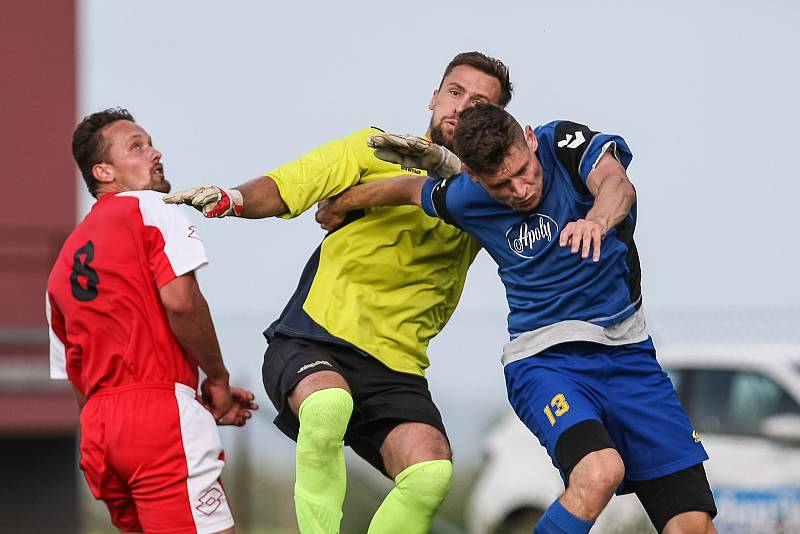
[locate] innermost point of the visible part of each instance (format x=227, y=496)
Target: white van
x=745, y=403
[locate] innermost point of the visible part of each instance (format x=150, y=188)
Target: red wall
x=37, y=208
x=38, y=416
x=37, y=175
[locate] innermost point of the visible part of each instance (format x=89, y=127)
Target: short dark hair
x=488, y=65
x=88, y=146
x=483, y=137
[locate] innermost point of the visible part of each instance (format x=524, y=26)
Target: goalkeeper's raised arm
x=292, y=188
x=399, y=191
x=255, y=199
x=407, y=150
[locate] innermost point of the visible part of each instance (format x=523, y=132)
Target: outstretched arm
x=292, y=188
x=255, y=199
x=398, y=191
x=614, y=195
x=261, y=198
x=406, y=150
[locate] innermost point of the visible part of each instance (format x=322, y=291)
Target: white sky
x=704, y=93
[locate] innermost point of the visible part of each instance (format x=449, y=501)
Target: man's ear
x=531, y=139
x=433, y=99
x=102, y=172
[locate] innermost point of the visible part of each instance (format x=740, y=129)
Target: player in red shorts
x=128, y=328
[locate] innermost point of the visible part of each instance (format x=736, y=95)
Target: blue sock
x=558, y=520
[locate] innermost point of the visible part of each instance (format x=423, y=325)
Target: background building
x=38, y=416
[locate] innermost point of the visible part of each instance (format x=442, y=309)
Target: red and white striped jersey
x=108, y=327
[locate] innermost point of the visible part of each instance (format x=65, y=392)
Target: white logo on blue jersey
x=535, y=228
x=578, y=141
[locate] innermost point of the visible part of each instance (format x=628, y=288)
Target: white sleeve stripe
x=610, y=145
x=433, y=204
x=58, y=356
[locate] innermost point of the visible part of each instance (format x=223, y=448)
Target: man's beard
x=163, y=186
x=438, y=136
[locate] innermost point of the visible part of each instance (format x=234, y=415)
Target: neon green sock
x=410, y=506
x=320, y=471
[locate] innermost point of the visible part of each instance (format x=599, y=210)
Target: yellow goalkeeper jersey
x=386, y=282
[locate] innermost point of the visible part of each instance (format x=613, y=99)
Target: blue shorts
x=623, y=387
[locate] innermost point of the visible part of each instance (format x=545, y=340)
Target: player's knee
x=324, y=415
x=605, y=470
x=692, y=522
x=588, y=449
x=593, y=482
x=595, y=478
x=426, y=483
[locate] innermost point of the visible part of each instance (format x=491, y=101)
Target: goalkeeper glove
x=415, y=152
x=213, y=201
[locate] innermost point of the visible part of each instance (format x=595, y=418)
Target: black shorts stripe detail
x=665, y=497
x=578, y=441
x=382, y=398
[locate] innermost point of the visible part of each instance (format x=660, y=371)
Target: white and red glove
x=213, y=201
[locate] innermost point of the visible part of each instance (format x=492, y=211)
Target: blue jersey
x=553, y=295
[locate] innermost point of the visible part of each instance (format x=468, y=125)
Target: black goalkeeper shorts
x=382, y=398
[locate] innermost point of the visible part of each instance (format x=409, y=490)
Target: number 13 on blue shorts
x=558, y=406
